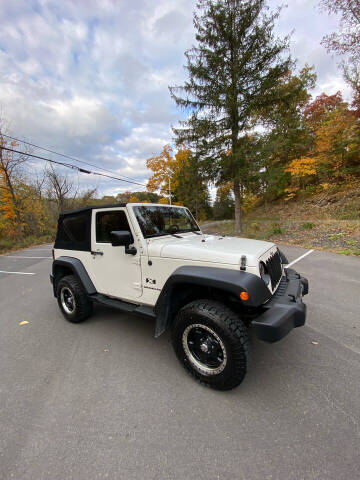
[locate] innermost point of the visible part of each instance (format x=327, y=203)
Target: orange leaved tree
x=10, y=170
x=163, y=167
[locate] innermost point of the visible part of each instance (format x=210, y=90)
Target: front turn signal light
x=244, y=296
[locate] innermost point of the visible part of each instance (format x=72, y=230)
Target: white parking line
x=18, y=273
x=298, y=259
x=22, y=256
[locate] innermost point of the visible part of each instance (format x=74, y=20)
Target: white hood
x=227, y=250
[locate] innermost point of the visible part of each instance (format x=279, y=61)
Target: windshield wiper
x=196, y=232
x=174, y=235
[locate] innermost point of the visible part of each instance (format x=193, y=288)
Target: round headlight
x=264, y=273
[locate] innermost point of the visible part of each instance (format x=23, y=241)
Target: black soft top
x=91, y=207
x=74, y=228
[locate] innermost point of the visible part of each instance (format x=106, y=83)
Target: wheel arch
x=189, y=283
x=64, y=265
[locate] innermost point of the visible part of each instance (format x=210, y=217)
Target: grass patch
x=349, y=251
x=307, y=226
x=276, y=229
x=335, y=236
x=9, y=244
x=351, y=211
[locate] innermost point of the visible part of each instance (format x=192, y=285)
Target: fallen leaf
x=315, y=343
x=106, y=350
x=24, y=322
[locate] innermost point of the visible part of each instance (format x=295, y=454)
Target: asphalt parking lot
x=104, y=399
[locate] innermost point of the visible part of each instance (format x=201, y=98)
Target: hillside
x=327, y=221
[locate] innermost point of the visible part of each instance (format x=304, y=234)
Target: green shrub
x=335, y=236
x=276, y=229
x=351, y=242
x=307, y=226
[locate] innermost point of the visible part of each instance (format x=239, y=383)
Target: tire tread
x=84, y=306
x=228, y=320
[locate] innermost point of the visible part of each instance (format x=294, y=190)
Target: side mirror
x=122, y=238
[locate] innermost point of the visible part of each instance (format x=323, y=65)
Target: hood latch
x=243, y=263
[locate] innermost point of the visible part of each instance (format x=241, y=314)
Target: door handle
x=93, y=252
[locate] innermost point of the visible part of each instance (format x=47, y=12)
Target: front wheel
x=72, y=299
x=212, y=343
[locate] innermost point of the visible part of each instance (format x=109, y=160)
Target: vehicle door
x=115, y=273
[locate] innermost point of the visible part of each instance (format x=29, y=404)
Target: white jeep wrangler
x=209, y=290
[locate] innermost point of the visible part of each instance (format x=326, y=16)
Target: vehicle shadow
x=272, y=366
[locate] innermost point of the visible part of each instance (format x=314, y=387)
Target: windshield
x=160, y=220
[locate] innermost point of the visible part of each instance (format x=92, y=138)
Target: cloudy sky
x=90, y=78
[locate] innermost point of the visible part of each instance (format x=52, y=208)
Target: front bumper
x=285, y=310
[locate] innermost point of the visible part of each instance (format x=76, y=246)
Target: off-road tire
x=83, y=307
x=231, y=332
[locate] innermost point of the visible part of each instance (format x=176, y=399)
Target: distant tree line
x=32, y=197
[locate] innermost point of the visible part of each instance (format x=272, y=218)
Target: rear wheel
x=73, y=300
x=212, y=343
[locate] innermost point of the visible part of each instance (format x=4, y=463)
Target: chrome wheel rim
x=67, y=300
x=204, y=349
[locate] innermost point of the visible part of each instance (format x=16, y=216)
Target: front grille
x=274, y=268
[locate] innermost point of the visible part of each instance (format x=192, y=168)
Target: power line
x=64, y=155
x=68, y=165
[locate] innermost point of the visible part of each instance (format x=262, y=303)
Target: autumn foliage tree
x=301, y=169
x=337, y=144
x=335, y=150
x=316, y=111
x=178, y=179
x=163, y=167
x=32, y=196
x=10, y=171
x=9, y=223
x=24, y=207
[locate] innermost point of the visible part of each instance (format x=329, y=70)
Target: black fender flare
x=228, y=280
x=77, y=268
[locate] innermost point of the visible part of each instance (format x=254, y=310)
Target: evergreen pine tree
x=232, y=70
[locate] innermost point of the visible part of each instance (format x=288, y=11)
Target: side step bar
x=123, y=306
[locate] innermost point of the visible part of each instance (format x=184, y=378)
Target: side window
x=74, y=229
x=106, y=222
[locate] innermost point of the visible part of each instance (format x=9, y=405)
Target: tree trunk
x=196, y=199
x=15, y=203
x=237, y=207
